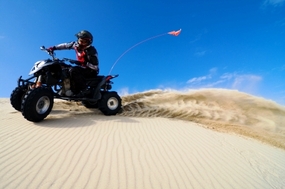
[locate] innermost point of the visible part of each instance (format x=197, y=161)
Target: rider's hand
x=51, y=49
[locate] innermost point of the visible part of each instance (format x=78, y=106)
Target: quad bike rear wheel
x=110, y=103
x=37, y=104
x=17, y=96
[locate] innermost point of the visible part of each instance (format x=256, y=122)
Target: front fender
x=40, y=65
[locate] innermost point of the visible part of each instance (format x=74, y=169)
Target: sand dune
x=75, y=147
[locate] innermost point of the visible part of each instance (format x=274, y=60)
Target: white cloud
x=238, y=81
x=214, y=84
x=228, y=76
x=213, y=71
x=198, y=80
x=243, y=82
x=274, y=3
x=249, y=83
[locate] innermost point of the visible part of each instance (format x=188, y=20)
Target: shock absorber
x=39, y=81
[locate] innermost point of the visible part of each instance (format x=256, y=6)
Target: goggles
x=83, y=41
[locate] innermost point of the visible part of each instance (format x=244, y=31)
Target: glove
x=51, y=49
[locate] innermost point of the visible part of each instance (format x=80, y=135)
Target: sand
x=199, y=139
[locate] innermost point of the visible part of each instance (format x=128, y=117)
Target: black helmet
x=84, y=34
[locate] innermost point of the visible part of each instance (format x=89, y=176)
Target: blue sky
x=237, y=44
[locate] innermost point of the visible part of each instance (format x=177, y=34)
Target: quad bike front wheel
x=17, y=96
x=37, y=104
x=110, y=103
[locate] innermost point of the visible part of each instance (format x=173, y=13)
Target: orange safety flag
x=175, y=33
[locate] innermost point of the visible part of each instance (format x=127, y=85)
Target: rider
x=87, y=60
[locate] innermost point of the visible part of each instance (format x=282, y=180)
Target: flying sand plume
x=219, y=109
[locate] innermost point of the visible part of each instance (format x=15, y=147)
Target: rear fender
x=97, y=94
x=105, y=79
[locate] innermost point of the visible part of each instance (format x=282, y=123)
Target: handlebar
x=52, y=54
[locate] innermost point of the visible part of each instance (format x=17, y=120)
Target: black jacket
x=88, y=57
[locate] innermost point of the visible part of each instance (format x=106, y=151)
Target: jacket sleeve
x=92, y=56
x=63, y=46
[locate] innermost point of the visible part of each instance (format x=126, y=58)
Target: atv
x=50, y=79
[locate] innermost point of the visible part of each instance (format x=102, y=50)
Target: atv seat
x=95, y=78
x=94, y=81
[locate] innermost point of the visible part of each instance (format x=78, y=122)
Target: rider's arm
x=63, y=46
x=92, y=56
